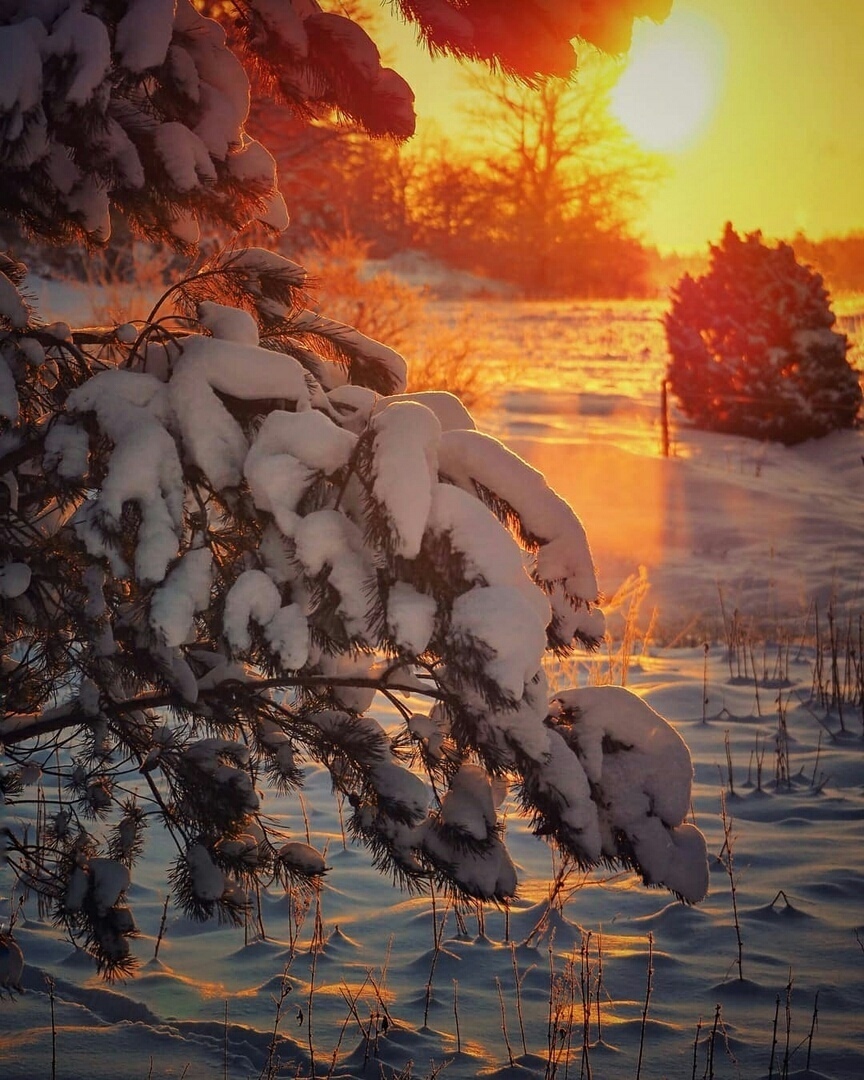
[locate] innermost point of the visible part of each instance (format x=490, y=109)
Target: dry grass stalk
x=625, y=639
x=517, y=982
x=586, y=989
x=838, y=669
x=814, y=1023
x=757, y=756
x=599, y=983
x=272, y=1064
x=350, y=998
x=648, y=990
x=510, y=1057
x=696, y=1047
x=782, y=775
x=705, y=649
x=727, y=858
x=562, y=1012
x=437, y=935
x=774, y=1038
x=730, y=779
x=51, y=986
x=162, y=923
x=788, y=1016
x=456, y=1015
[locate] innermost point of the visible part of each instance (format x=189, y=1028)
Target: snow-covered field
x=742, y=547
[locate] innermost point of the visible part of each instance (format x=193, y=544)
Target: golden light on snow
x=671, y=84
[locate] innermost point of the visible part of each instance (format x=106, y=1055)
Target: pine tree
x=752, y=347
x=225, y=529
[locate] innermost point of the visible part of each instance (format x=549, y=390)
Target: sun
x=672, y=82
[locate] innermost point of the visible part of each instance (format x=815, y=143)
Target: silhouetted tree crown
x=141, y=106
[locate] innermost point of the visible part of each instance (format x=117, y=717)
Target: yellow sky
x=784, y=149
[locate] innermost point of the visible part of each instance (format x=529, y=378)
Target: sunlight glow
x=672, y=81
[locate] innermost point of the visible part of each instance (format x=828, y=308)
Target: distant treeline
x=839, y=259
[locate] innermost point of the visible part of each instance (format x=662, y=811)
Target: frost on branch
x=217, y=555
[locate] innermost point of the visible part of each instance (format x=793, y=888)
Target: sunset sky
x=781, y=149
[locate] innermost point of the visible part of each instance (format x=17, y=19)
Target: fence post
x=664, y=410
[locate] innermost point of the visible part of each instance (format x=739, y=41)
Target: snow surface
x=724, y=529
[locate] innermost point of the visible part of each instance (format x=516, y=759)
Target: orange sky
x=784, y=148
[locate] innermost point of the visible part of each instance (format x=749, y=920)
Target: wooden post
x=664, y=410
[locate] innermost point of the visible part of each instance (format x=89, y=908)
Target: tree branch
x=22, y=728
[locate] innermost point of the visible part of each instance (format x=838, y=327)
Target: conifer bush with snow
x=226, y=531
x=752, y=349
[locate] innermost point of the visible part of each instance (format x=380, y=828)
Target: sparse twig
x=814, y=1023
x=648, y=989
x=788, y=1015
x=518, y=984
x=437, y=936
x=696, y=1048
x=510, y=1057
x=456, y=1015
x=729, y=773
x=774, y=1038
x=728, y=863
x=705, y=682
x=225, y=1043
x=162, y=923
x=50, y=983
x=271, y=1066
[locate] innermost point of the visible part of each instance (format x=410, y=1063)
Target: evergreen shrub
x=752, y=346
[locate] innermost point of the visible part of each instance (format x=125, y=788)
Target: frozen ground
x=740, y=544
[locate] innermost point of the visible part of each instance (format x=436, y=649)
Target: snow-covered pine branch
x=224, y=532
x=535, y=38
x=139, y=109
x=215, y=544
